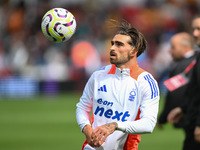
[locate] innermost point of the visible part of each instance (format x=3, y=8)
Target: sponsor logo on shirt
x=103, y=88
x=100, y=101
x=109, y=113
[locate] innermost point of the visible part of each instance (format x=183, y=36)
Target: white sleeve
x=84, y=106
x=149, y=109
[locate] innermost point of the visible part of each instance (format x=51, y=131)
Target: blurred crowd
x=25, y=52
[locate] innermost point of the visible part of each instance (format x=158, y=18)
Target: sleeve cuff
x=83, y=125
x=121, y=126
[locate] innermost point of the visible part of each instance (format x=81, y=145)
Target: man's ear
x=133, y=52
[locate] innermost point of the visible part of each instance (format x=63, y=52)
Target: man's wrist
x=85, y=128
x=116, y=125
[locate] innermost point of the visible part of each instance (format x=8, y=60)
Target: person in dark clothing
x=191, y=108
x=183, y=54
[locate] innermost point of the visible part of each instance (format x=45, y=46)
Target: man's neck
x=129, y=65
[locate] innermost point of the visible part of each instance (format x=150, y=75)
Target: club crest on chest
x=132, y=95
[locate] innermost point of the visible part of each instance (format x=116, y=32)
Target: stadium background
x=40, y=81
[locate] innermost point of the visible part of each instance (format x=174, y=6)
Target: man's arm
x=145, y=124
x=149, y=108
x=84, y=106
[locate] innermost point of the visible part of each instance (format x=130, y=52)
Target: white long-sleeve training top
x=115, y=96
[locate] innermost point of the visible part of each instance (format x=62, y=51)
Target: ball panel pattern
x=58, y=25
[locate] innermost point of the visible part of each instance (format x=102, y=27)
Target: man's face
x=120, y=51
x=196, y=30
x=176, y=49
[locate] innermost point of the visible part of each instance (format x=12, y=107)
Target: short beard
x=121, y=61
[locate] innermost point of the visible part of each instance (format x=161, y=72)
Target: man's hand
x=197, y=134
x=87, y=130
x=100, y=134
x=175, y=115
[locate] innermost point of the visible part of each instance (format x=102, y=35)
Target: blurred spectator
x=191, y=108
x=183, y=54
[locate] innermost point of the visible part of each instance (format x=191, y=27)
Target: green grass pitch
x=49, y=123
